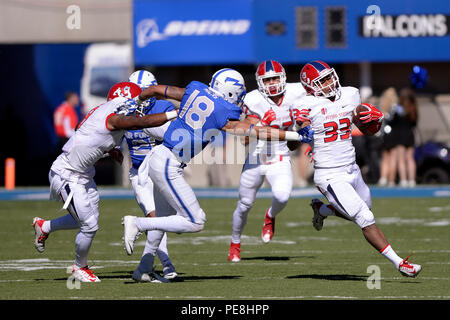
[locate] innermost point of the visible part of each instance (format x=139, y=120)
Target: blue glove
x=306, y=134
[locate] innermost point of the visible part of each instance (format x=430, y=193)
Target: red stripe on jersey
x=106, y=121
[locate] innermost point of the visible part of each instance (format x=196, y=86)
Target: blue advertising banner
x=352, y=31
x=180, y=32
x=196, y=32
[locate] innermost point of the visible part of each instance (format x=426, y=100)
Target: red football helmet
x=124, y=89
x=320, y=80
x=270, y=69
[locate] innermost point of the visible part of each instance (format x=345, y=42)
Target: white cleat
x=130, y=233
x=409, y=269
x=40, y=236
x=169, y=272
x=317, y=219
x=152, y=277
x=84, y=274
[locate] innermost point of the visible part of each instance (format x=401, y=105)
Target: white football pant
x=83, y=210
x=144, y=198
x=347, y=192
x=279, y=176
x=177, y=207
x=143, y=193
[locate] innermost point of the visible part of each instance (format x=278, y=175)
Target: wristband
x=171, y=115
x=291, y=136
x=165, y=91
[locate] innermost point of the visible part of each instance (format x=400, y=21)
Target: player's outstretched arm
x=242, y=128
x=121, y=122
x=161, y=92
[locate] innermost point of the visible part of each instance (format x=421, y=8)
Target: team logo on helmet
x=127, y=90
x=230, y=84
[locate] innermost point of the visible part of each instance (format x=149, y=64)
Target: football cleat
x=317, y=219
x=234, y=254
x=130, y=233
x=148, y=277
x=84, y=274
x=40, y=236
x=268, y=228
x=169, y=272
x=409, y=269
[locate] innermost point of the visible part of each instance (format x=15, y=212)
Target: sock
x=83, y=243
x=146, y=264
x=174, y=223
x=62, y=223
x=239, y=221
x=390, y=254
x=162, y=252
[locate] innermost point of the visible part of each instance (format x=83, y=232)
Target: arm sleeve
x=157, y=132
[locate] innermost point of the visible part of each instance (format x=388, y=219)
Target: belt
x=344, y=165
x=274, y=159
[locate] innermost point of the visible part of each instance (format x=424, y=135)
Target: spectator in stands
x=407, y=115
x=65, y=118
x=388, y=165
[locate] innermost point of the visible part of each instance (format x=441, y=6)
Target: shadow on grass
x=338, y=277
x=195, y=278
x=278, y=258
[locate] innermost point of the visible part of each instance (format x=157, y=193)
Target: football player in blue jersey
x=204, y=111
x=139, y=143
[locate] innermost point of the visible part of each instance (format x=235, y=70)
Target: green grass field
x=299, y=263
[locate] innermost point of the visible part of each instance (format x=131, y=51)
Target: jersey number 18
x=195, y=115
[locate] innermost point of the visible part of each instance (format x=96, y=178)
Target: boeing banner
x=196, y=32
x=180, y=32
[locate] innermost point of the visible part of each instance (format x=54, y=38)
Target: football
x=368, y=129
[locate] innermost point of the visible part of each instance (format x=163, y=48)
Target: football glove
x=269, y=116
x=372, y=115
x=306, y=134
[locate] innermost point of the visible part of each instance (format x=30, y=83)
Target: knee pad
x=200, y=218
x=364, y=218
x=281, y=196
x=198, y=227
x=90, y=224
x=245, y=204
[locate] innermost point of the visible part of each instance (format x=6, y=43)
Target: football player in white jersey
x=71, y=174
x=272, y=104
x=336, y=174
x=139, y=144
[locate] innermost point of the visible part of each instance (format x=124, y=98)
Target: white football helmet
x=271, y=69
x=230, y=84
x=143, y=79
